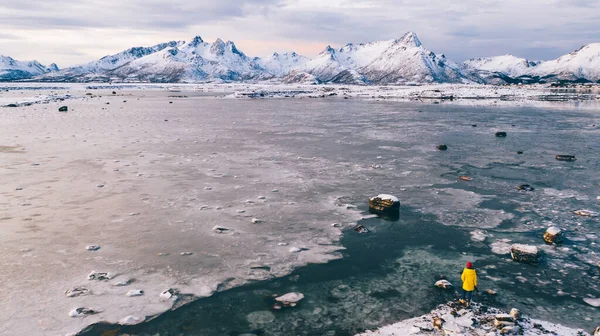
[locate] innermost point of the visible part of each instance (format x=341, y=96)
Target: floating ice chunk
x=135, y=292
x=83, y=312
x=478, y=235
x=290, y=298
x=592, y=302
x=501, y=246
x=444, y=284
x=131, y=320
x=260, y=317
x=586, y=213
x=78, y=291
x=282, y=244
x=93, y=247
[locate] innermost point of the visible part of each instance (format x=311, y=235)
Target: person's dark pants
x=467, y=295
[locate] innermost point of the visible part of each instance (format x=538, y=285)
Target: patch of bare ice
x=457, y=207
x=501, y=246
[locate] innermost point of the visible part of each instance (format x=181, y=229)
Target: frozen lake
x=148, y=180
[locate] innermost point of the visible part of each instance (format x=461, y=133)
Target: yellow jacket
x=469, y=279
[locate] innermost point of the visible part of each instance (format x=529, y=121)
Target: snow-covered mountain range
x=11, y=69
x=399, y=61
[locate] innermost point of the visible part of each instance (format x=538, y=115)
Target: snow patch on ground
x=477, y=321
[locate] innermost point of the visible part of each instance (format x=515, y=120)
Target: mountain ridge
x=399, y=61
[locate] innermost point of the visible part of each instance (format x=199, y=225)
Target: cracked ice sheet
x=150, y=209
x=459, y=207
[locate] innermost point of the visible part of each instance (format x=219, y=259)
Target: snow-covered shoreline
x=474, y=94
x=479, y=320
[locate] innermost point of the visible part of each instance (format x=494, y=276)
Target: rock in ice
x=220, y=229
x=553, y=235
x=169, y=293
x=93, y=247
x=78, y=291
x=83, y=312
x=525, y=253
x=101, y=276
x=385, y=206
x=135, y=292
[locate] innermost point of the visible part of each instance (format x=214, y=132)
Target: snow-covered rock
x=553, y=235
x=525, y=253
x=11, y=69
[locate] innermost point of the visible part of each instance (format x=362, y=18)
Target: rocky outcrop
x=479, y=320
x=525, y=253
x=553, y=235
x=385, y=206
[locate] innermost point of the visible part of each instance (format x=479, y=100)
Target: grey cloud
x=138, y=14
x=470, y=28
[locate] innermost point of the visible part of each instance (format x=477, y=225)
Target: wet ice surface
x=172, y=173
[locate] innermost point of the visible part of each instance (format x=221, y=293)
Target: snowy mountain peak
x=196, y=41
x=591, y=50
x=328, y=50
x=52, y=68
x=410, y=39
x=234, y=49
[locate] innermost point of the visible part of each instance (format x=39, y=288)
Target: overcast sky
x=71, y=32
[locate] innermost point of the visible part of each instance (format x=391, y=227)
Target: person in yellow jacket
x=469, y=280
